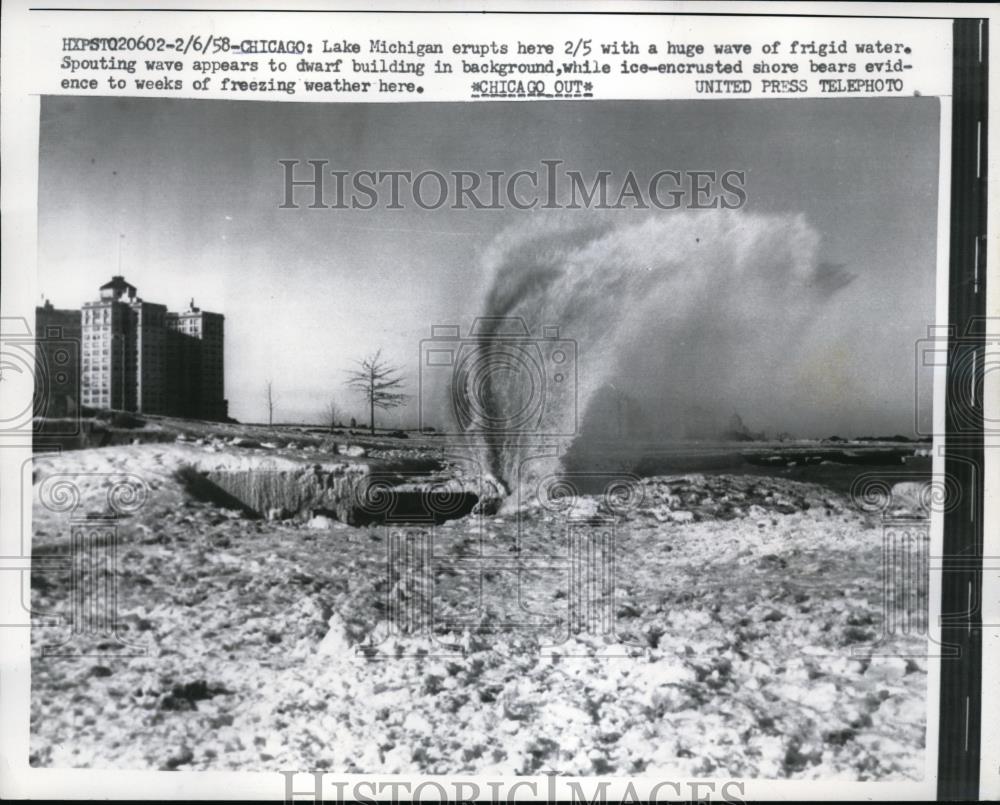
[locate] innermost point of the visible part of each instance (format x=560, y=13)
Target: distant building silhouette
x=57, y=361
x=195, y=350
x=137, y=356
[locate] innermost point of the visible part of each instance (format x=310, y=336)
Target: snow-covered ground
x=742, y=610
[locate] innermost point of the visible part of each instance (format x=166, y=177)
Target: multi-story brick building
x=137, y=356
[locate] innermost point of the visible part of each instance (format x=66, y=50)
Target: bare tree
x=379, y=383
x=331, y=413
x=271, y=402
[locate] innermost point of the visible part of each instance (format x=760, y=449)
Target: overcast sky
x=195, y=187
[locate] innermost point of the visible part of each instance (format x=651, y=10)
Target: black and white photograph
x=502, y=439
x=575, y=401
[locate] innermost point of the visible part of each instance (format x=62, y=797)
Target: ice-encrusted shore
x=739, y=603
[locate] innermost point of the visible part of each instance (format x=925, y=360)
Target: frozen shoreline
x=737, y=622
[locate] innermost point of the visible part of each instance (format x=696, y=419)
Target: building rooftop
x=118, y=283
x=117, y=289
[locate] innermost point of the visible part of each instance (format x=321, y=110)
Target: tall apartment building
x=196, y=350
x=137, y=356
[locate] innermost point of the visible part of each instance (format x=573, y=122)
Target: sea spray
x=692, y=314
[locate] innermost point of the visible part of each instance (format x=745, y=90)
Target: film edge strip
x=960, y=723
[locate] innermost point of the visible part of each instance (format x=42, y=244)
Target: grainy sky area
x=195, y=187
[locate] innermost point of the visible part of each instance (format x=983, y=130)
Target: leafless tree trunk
x=379, y=383
x=271, y=402
x=331, y=414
